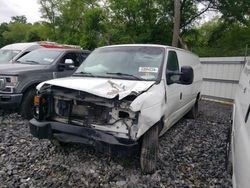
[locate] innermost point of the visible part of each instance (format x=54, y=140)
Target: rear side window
x=172, y=63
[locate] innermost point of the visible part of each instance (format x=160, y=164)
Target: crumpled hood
x=103, y=87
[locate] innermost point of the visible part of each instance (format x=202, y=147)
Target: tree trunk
x=177, y=20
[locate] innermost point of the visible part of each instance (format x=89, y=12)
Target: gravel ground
x=192, y=154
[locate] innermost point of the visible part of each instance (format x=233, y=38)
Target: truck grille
x=82, y=113
x=2, y=83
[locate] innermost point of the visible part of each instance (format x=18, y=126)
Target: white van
x=240, y=137
x=13, y=52
x=121, y=96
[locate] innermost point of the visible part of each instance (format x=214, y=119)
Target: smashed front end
x=76, y=116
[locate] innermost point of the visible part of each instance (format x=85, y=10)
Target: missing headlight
x=123, y=114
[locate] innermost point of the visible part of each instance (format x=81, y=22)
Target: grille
x=84, y=112
x=2, y=83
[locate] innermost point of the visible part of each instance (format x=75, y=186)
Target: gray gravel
x=192, y=154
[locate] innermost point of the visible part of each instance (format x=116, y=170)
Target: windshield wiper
x=124, y=74
x=31, y=61
x=83, y=73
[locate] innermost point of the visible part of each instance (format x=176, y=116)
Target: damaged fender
x=150, y=104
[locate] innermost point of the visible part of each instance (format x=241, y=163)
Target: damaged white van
x=121, y=96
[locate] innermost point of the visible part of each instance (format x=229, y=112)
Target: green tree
x=93, y=28
x=16, y=32
x=135, y=21
x=19, y=19
x=3, y=28
x=51, y=13
x=217, y=38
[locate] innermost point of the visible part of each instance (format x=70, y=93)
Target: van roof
x=19, y=46
x=45, y=44
x=152, y=45
x=63, y=50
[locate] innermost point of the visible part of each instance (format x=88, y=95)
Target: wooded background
x=94, y=23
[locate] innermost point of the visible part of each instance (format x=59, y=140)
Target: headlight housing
x=42, y=106
x=8, y=83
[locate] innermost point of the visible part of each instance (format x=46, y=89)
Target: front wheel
x=149, y=150
x=58, y=143
x=27, y=104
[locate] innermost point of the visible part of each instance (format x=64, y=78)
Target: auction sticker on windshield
x=148, y=69
x=48, y=59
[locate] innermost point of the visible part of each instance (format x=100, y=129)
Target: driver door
x=173, y=91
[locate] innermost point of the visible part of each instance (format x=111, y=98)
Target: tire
x=149, y=150
x=193, y=113
x=228, y=158
x=27, y=104
x=58, y=143
x=229, y=165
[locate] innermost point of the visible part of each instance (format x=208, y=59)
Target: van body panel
x=240, y=136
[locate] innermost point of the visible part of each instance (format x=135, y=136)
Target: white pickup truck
x=121, y=96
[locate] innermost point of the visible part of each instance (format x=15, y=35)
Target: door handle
x=181, y=96
x=244, y=90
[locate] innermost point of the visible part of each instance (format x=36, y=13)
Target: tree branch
x=196, y=16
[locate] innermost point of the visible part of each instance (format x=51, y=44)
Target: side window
x=24, y=54
x=173, y=65
x=71, y=59
x=81, y=57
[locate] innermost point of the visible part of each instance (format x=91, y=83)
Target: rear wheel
x=149, y=150
x=57, y=143
x=193, y=113
x=228, y=158
x=27, y=104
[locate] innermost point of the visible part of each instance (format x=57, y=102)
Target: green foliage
x=3, y=28
x=217, y=38
x=93, y=28
x=16, y=32
x=94, y=23
x=233, y=10
x=19, y=19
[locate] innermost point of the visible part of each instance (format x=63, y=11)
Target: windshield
x=128, y=62
x=7, y=55
x=43, y=57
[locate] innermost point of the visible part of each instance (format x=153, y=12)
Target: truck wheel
x=193, y=113
x=58, y=143
x=229, y=165
x=149, y=150
x=27, y=104
x=228, y=158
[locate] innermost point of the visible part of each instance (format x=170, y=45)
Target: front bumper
x=68, y=133
x=10, y=100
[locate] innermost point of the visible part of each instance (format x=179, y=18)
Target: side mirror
x=173, y=77
x=69, y=64
x=187, y=75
